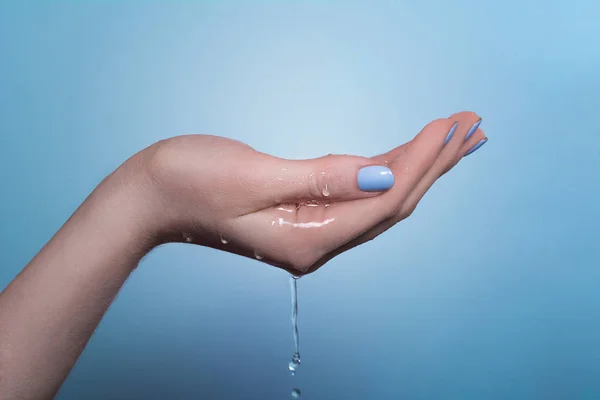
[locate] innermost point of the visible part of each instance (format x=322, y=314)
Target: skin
x=200, y=189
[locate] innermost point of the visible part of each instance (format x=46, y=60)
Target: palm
x=297, y=215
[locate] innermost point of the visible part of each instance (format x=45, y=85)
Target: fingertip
x=375, y=178
x=464, y=116
x=476, y=147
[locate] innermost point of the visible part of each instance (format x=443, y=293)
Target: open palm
x=298, y=214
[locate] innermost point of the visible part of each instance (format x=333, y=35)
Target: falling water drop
x=295, y=363
x=296, y=393
x=258, y=255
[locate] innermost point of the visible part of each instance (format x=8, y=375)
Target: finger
x=448, y=158
x=470, y=144
x=334, y=178
x=302, y=233
x=356, y=218
x=466, y=132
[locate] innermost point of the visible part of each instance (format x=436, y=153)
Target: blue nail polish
x=375, y=178
x=478, y=145
x=473, y=129
x=452, y=130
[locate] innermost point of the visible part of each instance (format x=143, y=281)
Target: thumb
x=333, y=177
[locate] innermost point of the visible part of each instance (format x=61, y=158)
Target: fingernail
x=452, y=130
x=375, y=178
x=478, y=145
x=473, y=129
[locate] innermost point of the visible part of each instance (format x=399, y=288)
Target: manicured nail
x=375, y=178
x=473, y=129
x=478, y=145
x=452, y=130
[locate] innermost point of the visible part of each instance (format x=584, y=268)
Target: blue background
x=489, y=291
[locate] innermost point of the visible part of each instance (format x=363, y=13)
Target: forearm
x=50, y=310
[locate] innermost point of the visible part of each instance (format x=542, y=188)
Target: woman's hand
x=214, y=192
x=296, y=215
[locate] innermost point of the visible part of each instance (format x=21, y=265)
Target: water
x=258, y=255
x=223, y=240
x=295, y=363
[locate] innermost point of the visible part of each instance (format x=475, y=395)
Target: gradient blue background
x=489, y=291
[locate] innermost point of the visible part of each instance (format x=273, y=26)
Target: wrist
x=125, y=206
x=158, y=203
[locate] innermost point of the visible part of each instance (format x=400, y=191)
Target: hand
x=293, y=214
x=216, y=192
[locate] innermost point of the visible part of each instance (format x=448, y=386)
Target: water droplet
x=223, y=240
x=294, y=364
x=187, y=237
x=325, y=191
x=322, y=173
x=296, y=393
x=327, y=205
x=311, y=203
x=386, y=161
x=283, y=169
x=258, y=255
x=280, y=178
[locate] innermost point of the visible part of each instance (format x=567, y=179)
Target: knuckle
x=314, y=184
x=320, y=179
x=391, y=211
x=406, y=211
